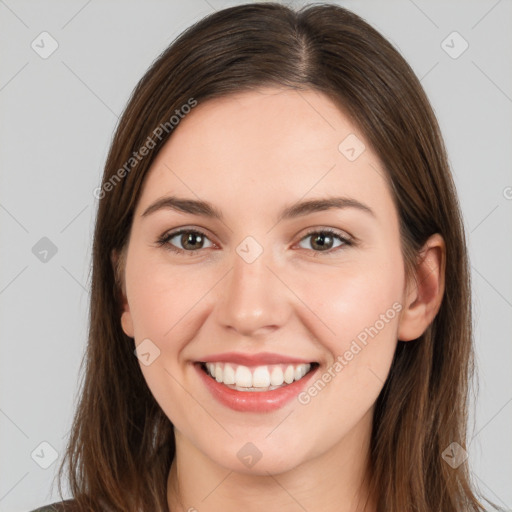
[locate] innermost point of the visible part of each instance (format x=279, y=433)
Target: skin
x=251, y=155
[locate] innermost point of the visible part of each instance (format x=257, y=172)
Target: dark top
x=60, y=506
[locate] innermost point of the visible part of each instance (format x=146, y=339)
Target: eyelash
x=164, y=240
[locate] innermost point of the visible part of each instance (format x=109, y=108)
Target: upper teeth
x=257, y=377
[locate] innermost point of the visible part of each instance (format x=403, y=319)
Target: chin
x=252, y=459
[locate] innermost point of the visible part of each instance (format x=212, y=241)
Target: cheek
x=162, y=298
x=351, y=298
x=357, y=309
x=362, y=308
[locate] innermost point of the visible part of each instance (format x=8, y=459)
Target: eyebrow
x=206, y=209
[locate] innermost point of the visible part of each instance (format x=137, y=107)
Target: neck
x=335, y=481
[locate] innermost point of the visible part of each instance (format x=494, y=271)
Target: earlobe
x=118, y=262
x=127, y=324
x=425, y=290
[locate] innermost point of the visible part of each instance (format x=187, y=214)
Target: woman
x=280, y=306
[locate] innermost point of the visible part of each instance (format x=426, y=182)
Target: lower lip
x=254, y=401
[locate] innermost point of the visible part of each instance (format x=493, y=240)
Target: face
x=265, y=250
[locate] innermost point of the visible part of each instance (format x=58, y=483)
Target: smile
x=256, y=379
x=255, y=383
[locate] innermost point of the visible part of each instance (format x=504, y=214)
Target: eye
x=189, y=241
x=324, y=240
x=185, y=241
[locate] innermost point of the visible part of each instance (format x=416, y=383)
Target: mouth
x=256, y=379
x=259, y=389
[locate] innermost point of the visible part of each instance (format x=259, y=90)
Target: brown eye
x=186, y=240
x=323, y=241
x=192, y=240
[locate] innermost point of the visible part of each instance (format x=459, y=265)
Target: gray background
x=58, y=116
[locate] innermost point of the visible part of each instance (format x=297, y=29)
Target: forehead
x=266, y=146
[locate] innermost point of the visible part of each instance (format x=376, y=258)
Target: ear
x=424, y=290
x=118, y=263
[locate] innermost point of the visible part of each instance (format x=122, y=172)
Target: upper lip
x=261, y=358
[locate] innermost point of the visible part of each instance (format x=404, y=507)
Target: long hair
x=121, y=444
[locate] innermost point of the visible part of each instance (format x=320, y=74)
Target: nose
x=252, y=300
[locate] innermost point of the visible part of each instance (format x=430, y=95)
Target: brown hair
x=121, y=445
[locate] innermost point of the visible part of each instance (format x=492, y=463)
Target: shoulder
x=60, y=506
